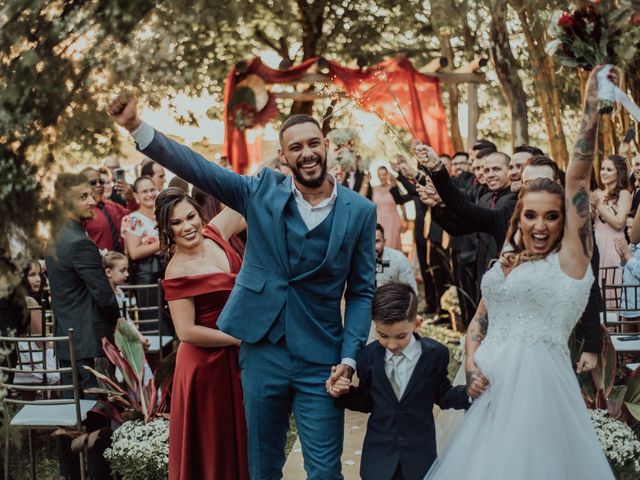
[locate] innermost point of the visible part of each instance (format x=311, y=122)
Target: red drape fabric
x=417, y=96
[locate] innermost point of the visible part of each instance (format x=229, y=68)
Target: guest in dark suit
x=358, y=181
x=401, y=376
x=81, y=298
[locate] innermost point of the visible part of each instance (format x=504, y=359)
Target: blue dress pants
x=274, y=384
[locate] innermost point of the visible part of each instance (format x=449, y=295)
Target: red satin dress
x=207, y=429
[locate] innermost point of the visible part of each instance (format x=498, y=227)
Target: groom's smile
x=304, y=149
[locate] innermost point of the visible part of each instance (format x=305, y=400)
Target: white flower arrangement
x=140, y=451
x=619, y=442
x=450, y=301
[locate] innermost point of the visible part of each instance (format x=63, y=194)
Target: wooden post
x=472, y=114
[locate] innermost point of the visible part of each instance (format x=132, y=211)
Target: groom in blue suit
x=310, y=240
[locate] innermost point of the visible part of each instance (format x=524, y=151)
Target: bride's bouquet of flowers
x=139, y=450
x=583, y=38
x=619, y=442
x=593, y=34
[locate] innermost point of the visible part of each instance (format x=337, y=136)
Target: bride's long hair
x=518, y=253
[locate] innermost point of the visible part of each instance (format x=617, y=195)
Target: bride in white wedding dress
x=532, y=423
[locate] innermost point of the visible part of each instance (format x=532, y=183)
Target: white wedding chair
x=31, y=406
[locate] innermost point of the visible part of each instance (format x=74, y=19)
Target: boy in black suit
x=401, y=376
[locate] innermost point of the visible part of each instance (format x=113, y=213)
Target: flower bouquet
x=587, y=37
x=619, y=443
x=140, y=451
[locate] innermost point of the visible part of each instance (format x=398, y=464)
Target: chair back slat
x=36, y=364
x=149, y=316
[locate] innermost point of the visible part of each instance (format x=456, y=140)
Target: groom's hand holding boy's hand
x=338, y=372
x=339, y=387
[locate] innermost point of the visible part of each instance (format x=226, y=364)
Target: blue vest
x=307, y=249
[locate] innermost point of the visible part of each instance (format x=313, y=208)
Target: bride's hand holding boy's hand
x=476, y=384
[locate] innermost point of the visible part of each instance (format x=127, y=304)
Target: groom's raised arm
x=230, y=188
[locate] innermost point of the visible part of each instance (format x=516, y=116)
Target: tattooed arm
x=577, y=243
x=475, y=334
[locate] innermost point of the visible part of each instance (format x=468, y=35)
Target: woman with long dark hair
x=207, y=438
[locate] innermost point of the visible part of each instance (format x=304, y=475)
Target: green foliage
x=52, y=60
x=134, y=399
x=599, y=388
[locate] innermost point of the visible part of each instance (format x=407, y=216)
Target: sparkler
x=357, y=97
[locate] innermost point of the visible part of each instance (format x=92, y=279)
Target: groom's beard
x=311, y=182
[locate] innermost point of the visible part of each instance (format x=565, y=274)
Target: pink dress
x=388, y=216
x=606, y=236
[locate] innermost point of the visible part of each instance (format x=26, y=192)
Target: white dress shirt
x=143, y=135
x=399, y=269
x=412, y=354
x=314, y=215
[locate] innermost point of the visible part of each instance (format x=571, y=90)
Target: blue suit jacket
x=265, y=284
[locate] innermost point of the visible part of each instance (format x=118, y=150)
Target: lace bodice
x=536, y=302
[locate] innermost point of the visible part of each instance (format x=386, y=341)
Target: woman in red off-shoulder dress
x=207, y=429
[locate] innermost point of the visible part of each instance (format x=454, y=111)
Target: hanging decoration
x=394, y=90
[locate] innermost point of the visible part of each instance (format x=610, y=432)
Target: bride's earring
x=517, y=238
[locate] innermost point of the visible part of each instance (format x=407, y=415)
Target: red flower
x=566, y=21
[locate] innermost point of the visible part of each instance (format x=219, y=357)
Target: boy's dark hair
x=394, y=302
x=380, y=228
x=295, y=120
x=461, y=154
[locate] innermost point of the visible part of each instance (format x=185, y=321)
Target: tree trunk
x=311, y=21
x=507, y=70
x=454, y=95
x=543, y=68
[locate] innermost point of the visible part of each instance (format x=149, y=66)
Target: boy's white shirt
x=412, y=353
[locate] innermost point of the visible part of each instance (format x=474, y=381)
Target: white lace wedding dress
x=532, y=423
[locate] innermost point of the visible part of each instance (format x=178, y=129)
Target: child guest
x=401, y=376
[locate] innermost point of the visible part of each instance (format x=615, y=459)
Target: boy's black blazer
x=402, y=430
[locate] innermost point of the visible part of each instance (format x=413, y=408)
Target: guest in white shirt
x=392, y=265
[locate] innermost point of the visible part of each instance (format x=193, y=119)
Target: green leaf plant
x=599, y=388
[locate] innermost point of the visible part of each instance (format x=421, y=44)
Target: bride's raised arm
x=577, y=243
